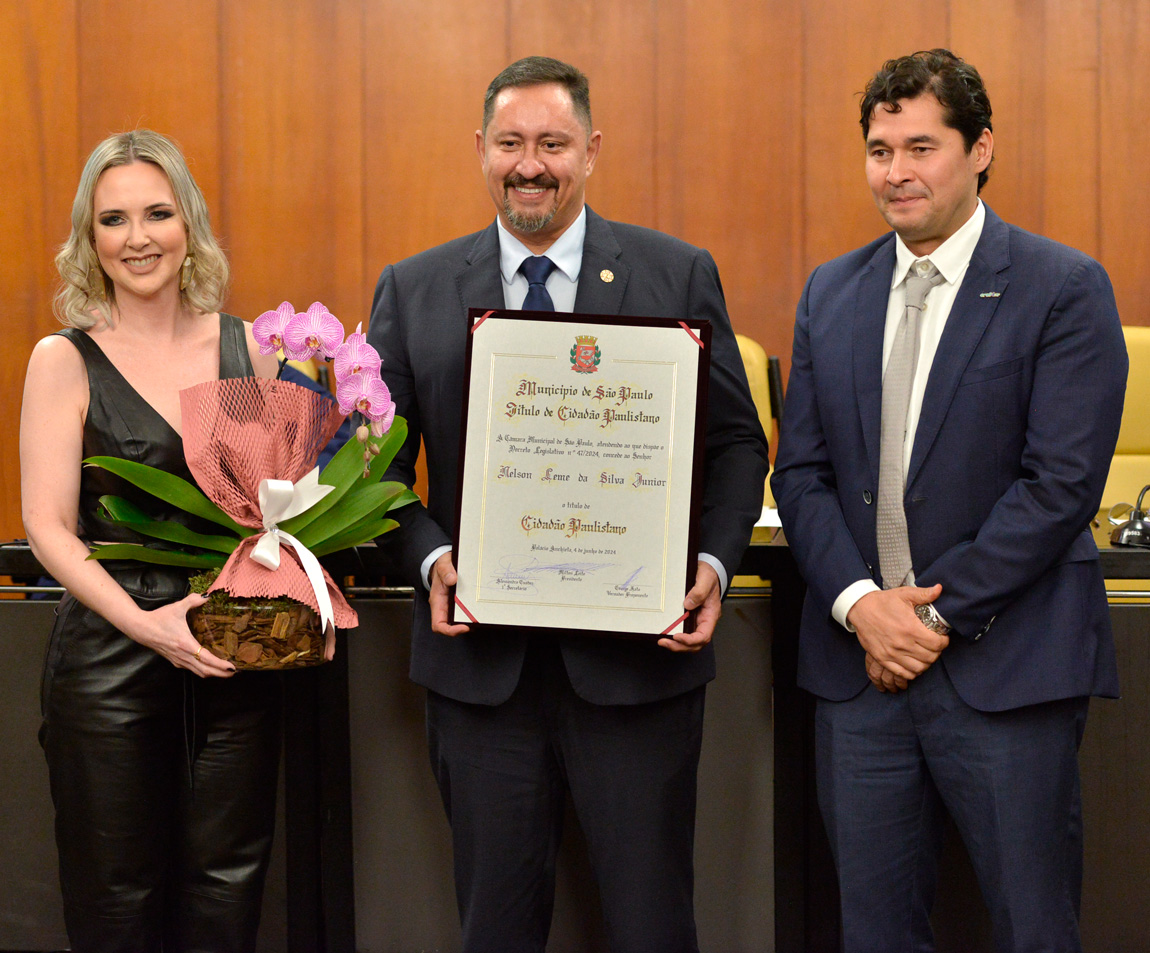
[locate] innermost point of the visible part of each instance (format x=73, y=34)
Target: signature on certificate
x=519, y=572
x=630, y=588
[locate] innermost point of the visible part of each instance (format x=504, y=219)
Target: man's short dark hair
x=953, y=82
x=535, y=71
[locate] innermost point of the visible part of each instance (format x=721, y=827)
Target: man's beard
x=527, y=224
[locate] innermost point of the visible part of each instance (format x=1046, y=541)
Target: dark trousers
x=164, y=787
x=889, y=769
x=503, y=772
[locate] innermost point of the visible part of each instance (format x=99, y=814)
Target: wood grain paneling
x=332, y=137
x=623, y=91
x=729, y=152
x=1124, y=105
x=1071, y=176
x=1036, y=181
x=38, y=119
x=292, y=208
x=159, y=72
x=844, y=43
x=425, y=69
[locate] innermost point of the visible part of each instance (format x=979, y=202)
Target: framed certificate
x=581, y=469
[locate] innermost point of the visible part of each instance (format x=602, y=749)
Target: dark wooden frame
x=699, y=329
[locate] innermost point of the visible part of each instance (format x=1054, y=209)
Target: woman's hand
x=165, y=631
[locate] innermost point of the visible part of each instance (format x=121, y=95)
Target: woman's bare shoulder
x=56, y=354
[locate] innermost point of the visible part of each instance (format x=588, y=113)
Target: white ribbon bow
x=281, y=500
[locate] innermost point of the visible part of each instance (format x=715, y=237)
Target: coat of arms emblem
x=585, y=355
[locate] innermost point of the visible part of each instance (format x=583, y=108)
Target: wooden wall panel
x=159, y=72
x=38, y=119
x=1039, y=180
x=1071, y=176
x=1124, y=105
x=334, y=136
x=844, y=43
x=425, y=71
x=623, y=92
x=729, y=152
x=426, y=66
x=291, y=158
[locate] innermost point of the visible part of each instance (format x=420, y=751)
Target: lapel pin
x=990, y=294
x=607, y=275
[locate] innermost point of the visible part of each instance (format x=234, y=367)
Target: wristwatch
x=928, y=616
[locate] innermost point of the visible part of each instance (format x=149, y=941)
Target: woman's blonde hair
x=87, y=293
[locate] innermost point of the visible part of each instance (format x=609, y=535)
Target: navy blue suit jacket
x=1018, y=425
x=419, y=326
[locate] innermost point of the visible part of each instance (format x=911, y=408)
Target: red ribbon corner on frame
x=475, y=327
x=459, y=603
x=694, y=336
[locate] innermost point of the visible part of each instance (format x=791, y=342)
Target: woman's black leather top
x=120, y=423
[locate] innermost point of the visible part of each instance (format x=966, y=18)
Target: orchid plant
x=302, y=336
x=352, y=512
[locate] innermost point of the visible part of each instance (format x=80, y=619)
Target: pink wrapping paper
x=238, y=432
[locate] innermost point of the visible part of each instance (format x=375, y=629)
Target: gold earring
x=187, y=272
x=96, y=276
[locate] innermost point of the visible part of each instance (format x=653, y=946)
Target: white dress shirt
x=951, y=258
x=563, y=282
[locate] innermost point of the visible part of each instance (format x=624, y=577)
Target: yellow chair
x=755, y=364
x=306, y=367
x=1130, y=468
x=759, y=368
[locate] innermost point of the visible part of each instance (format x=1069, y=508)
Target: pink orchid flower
x=268, y=329
x=370, y=396
x=356, y=356
x=316, y=331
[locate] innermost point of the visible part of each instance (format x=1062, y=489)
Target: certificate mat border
x=701, y=329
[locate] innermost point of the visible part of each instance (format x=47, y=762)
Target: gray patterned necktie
x=893, y=542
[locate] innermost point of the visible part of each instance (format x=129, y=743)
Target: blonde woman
x=162, y=760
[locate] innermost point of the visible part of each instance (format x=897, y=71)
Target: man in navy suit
x=959, y=681
x=516, y=718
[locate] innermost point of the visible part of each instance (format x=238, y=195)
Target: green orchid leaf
x=401, y=496
x=386, y=499
x=170, y=489
x=356, y=536
x=404, y=498
x=161, y=557
x=345, y=471
x=364, y=503
x=389, y=445
x=121, y=512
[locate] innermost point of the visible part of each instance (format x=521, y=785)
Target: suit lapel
x=973, y=309
x=603, y=276
x=869, y=327
x=478, y=280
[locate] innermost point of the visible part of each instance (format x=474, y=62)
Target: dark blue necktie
x=536, y=270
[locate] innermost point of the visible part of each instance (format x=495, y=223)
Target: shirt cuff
x=718, y=567
x=425, y=566
x=847, y=599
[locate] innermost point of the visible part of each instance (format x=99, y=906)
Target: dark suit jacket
x=419, y=326
x=1018, y=425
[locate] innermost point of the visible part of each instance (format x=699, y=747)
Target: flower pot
x=259, y=634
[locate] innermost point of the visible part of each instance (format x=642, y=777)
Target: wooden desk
x=775, y=753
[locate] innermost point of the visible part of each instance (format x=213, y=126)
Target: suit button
x=867, y=498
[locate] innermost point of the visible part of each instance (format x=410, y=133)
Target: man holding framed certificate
x=518, y=715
